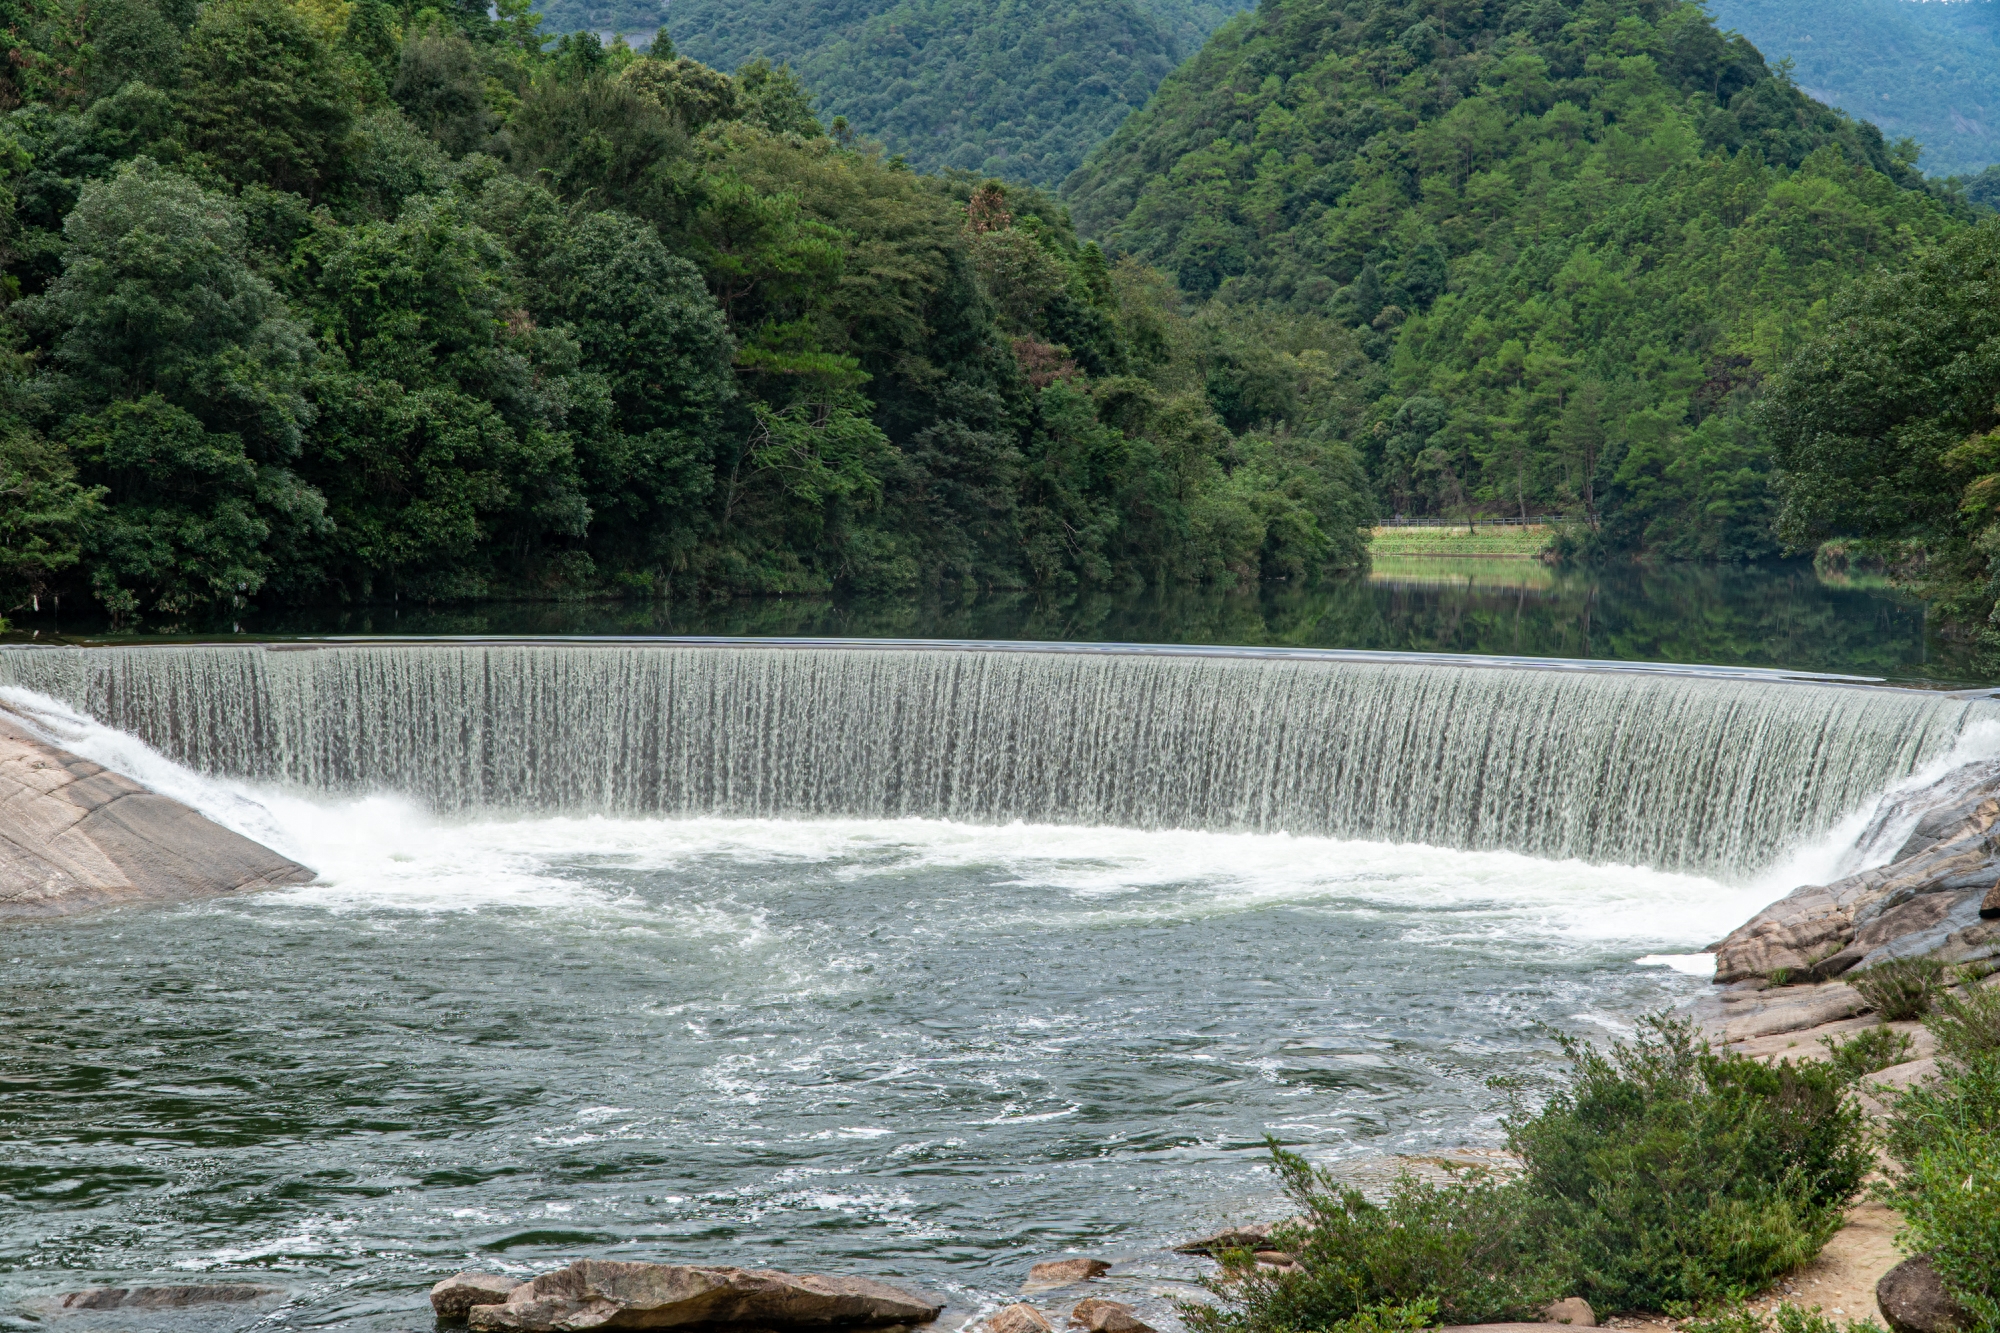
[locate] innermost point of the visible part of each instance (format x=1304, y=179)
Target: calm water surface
x=1776, y=615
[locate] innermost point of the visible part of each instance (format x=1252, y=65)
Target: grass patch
x=1901, y=988
x=1523, y=541
x=1661, y=1173
x=1945, y=1137
x=1787, y=1318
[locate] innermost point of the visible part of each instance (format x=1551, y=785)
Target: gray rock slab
x=75, y=837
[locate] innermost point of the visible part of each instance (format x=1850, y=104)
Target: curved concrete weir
x=1677, y=768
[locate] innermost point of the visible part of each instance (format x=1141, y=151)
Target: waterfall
x=1715, y=773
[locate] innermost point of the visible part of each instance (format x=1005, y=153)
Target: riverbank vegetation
x=1573, y=239
x=1660, y=1175
x=1945, y=1138
x=343, y=301
x=359, y=303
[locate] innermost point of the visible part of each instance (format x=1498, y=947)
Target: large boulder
x=1914, y=1300
x=605, y=1293
x=75, y=836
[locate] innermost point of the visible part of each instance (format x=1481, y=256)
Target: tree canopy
x=1573, y=236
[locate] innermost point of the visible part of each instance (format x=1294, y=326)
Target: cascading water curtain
x=1718, y=775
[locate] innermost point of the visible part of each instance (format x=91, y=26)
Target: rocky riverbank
x=1938, y=897
x=75, y=836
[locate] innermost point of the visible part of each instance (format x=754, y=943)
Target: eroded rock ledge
x=75, y=836
x=1936, y=898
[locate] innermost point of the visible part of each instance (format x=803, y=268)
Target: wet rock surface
x=1931, y=900
x=1018, y=1318
x=165, y=1298
x=1256, y=1236
x=1098, y=1315
x=454, y=1297
x=1063, y=1273
x=602, y=1293
x=75, y=836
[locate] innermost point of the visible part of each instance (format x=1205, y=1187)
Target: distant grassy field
x=1522, y=542
x=1481, y=573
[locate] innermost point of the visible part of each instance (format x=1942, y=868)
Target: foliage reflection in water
x=1779, y=615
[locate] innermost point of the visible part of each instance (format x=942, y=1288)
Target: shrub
x=1674, y=1174
x=1736, y=1317
x=1661, y=1173
x=1966, y=1023
x=1945, y=1137
x=1900, y=988
x=1866, y=1051
x=1468, y=1249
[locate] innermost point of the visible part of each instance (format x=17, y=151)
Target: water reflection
x=1778, y=615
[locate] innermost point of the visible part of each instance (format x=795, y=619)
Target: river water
x=919, y=1049
x=915, y=1049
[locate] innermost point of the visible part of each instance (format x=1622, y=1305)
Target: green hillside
x=1920, y=69
x=1573, y=237
x=1020, y=89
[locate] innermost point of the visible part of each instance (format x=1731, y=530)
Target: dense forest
x=1920, y=69
x=1572, y=241
x=1016, y=89
x=351, y=303
x=326, y=301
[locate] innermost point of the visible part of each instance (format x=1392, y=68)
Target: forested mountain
x=1018, y=89
x=1922, y=69
x=310, y=304
x=1574, y=238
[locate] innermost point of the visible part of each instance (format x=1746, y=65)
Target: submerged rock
x=1098, y=1315
x=604, y=1293
x=166, y=1298
x=1063, y=1273
x=76, y=836
x=1018, y=1318
x=1914, y=1300
x=454, y=1297
x=1256, y=1236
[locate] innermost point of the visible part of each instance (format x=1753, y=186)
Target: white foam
x=385, y=853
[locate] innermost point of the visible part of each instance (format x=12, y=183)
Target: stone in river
x=605, y=1293
x=454, y=1297
x=165, y=1298
x=1101, y=1316
x=1574, y=1311
x=1018, y=1318
x=1914, y=1300
x=1063, y=1273
x=1253, y=1237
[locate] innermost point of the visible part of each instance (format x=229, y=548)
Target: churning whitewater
x=649, y=1019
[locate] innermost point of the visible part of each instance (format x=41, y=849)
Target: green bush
x=1944, y=1135
x=1661, y=1173
x=1736, y=1317
x=1966, y=1023
x=1471, y=1249
x=1674, y=1174
x=1866, y=1051
x=1901, y=988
